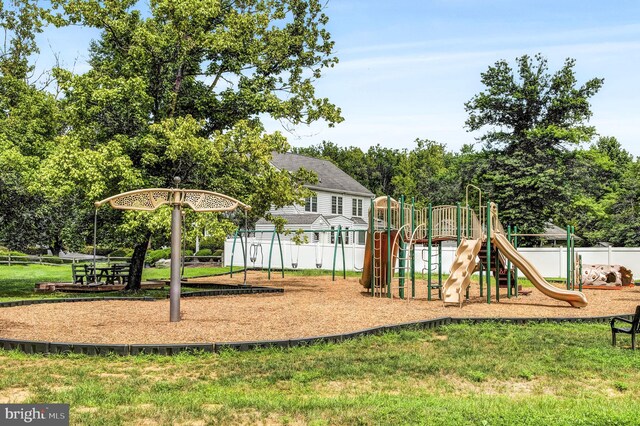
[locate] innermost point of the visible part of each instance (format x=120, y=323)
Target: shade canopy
x=151, y=199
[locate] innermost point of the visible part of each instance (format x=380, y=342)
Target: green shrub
x=218, y=252
x=122, y=252
x=210, y=243
x=100, y=251
x=35, y=251
x=204, y=255
x=154, y=255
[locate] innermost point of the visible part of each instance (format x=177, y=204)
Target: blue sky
x=407, y=67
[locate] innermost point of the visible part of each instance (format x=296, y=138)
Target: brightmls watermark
x=34, y=414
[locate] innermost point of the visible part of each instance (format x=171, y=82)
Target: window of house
x=316, y=237
x=311, y=204
x=336, y=205
x=356, y=207
x=361, y=237
x=344, y=233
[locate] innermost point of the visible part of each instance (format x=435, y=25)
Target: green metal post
x=497, y=275
x=338, y=235
x=344, y=265
x=281, y=256
x=568, y=257
x=413, y=248
x=439, y=267
x=372, y=231
x=509, y=265
x=233, y=250
x=468, y=222
x=429, y=242
x=402, y=252
x=273, y=237
x=481, y=279
x=573, y=258
x=515, y=271
x=488, y=271
x=458, y=223
x=389, y=266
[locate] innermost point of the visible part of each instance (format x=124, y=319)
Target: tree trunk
x=137, y=264
x=57, y=247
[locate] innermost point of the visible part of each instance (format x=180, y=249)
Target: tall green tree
x=428, y=173
x=29, y=120
x=532, y=119
x=180, y=90
x=597, y=177
x=624, y=210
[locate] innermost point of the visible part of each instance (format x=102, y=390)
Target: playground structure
x=397, y=229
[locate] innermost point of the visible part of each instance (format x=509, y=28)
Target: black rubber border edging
x=38, y=347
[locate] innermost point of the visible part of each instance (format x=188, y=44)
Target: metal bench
x=632, y=329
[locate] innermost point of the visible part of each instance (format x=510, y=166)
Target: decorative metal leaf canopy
x=151, y=199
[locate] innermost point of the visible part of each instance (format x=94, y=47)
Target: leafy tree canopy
x=531, y=117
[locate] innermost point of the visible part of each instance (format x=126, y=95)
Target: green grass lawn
x=487, y=374
x=18, y=281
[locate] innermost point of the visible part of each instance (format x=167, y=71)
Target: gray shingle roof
x=330, y=177
x=295, y=219
x=554, y=232
x=358, y=221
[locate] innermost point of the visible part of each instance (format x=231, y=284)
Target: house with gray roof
x=339, y=200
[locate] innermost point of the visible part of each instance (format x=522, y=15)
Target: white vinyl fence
x=551, y=262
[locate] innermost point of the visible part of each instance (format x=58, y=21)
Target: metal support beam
x=174, y=289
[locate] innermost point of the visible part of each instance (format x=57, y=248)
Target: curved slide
x=574, y=298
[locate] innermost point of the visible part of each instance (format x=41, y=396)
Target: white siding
x=324, y=205
x=295, y=209
x=324, y=202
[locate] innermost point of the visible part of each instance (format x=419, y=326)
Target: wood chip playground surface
x=309, y=307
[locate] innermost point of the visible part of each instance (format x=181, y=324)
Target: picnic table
x=117, y=273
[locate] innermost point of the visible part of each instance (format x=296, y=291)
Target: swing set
x=256, y=251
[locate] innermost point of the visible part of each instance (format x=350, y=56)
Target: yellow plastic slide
x=574, y=298
x=461, y=271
